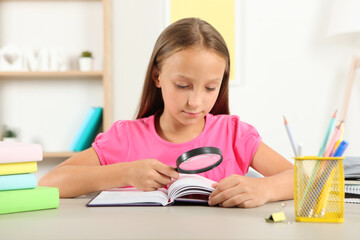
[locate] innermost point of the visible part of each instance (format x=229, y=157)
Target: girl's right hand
x=150, y=174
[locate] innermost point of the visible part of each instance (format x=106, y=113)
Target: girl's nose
x=195, y=99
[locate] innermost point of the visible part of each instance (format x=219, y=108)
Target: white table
x=73, y=220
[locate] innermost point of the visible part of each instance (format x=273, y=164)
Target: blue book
x=90, y=130
x=17, y=181
x=82, y=129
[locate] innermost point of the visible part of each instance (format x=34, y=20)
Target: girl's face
x=190, y=81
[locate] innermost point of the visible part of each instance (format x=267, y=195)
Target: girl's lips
x=192, y=115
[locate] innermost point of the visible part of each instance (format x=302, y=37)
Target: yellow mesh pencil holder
x=319, y=189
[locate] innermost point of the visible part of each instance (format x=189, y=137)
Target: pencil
x=291, y=137
x=324, y=189
x=327, y=135
x=333, y=140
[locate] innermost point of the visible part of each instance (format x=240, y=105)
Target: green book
x=38, y=198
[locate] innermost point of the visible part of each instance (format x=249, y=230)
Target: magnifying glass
x=199, y=160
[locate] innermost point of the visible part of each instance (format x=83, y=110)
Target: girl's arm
x=83, y=174
x=243, y=191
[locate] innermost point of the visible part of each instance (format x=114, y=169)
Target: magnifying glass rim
x=195, y=152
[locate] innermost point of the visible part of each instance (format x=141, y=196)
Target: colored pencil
x=327, y=135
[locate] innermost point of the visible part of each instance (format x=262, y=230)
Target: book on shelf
x=17, y=181
x=189, y=188
x=38, y=198
x=82, y=128
x=11, y=152
x=88, y=129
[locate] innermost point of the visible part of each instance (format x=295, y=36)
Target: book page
x=188, y=184
x=129, y=196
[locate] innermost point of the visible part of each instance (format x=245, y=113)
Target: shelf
x=64, y=33
x=58, y=154
x=69, y=74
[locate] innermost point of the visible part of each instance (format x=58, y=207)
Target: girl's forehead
x=196, y=53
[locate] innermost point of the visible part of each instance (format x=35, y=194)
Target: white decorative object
x=57, y=59
x=345, y=18
x=44, y=60
x=32, y=59
x=86, y=61
x=11, y=58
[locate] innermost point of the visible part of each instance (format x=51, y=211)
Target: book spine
x=90, y=130
x=17, y=168
x=81, y=130
x=28, y=199
x=17, y=181
x=20, y=152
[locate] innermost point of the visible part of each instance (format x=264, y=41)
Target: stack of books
x=88, y=130
x=18, y=187
x=352, y=179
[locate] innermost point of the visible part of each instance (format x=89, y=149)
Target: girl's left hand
x=239, y=191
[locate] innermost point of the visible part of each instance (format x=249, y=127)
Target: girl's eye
x=181, y=86
x=210, y=88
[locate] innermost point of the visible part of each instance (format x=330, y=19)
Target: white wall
x=137, y=24
x=291, y=68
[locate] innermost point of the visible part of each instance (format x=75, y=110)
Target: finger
x=225, y=195
x=248, y=204
x=166, y=170
x=153, y=186
x=223, y=185
x=237, y=200
x=162, y=179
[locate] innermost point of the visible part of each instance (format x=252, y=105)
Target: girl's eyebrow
x=182, y=76
x=215, y=80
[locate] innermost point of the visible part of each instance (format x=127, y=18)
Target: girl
x=184, y=105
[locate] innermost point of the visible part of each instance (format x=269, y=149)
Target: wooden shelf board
x=58, y=154
x=53, y=74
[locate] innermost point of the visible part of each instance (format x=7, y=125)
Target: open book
x=187, y=188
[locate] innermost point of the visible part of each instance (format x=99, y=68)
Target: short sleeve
x=111, y=146
x=247, y=141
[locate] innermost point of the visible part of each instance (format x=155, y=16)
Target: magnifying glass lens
x=200, y=161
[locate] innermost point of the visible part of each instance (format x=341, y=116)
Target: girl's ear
x=155, y=76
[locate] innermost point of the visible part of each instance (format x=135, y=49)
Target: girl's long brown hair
x=182, y=34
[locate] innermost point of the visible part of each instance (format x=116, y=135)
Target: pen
x=338, y=141
x=291, y=137
x=327, y=135
x=341, y=149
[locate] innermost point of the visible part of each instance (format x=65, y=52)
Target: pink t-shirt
x=132, y=140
